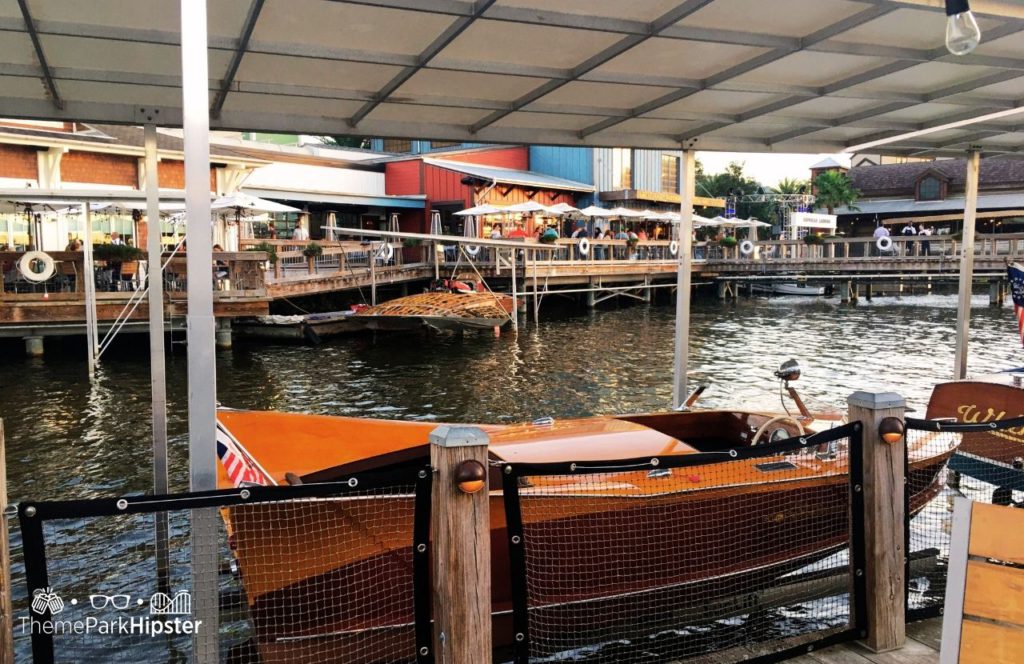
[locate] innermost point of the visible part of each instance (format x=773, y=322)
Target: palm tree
x=834, y=189
x=791, y=186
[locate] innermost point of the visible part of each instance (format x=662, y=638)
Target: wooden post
x=884, y=517
x=461, y=560
x=373, y=276
x=963, y=311
x=6, y=609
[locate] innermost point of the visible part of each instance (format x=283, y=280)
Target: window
x=397, y=145
x=670, y=174
x=435, y=145
x=622, y=168
x=929, y=189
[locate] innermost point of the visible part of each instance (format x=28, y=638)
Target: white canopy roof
x=804, y=76
x=594, y=211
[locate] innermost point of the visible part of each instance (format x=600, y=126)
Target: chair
x=129, y=276
x=983, y=619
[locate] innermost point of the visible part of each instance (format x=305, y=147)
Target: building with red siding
x=462, y=179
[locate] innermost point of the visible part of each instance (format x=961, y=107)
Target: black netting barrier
x=981, y=467
x=334, y=572
x=751, y=551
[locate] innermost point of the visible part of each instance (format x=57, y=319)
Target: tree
x=834, y=189
x=791, y=186
x=345, y=141
x=733, y=182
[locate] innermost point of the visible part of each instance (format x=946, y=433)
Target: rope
x=480, y=276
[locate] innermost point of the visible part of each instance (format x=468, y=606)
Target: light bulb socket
x=470, y=476
x=954, y=7
x=891, y=430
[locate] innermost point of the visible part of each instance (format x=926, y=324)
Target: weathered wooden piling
x=461, y=560
x=884, y=519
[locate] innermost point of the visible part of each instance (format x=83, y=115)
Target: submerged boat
x=303, y=327
x=451, y=309
x=987, y=398
x=329, y=583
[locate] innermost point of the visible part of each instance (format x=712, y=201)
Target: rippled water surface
x=69, y=439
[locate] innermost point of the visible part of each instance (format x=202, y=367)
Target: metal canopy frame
x=654, y=73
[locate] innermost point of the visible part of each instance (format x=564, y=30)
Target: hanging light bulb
x=962, y=32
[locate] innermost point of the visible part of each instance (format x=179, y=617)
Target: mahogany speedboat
x=986, y=398
x=293, y=448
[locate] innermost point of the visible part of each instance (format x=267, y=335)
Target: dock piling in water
x=6, y=607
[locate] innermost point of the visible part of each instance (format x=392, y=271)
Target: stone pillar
x=223, y=333
x=34, y=346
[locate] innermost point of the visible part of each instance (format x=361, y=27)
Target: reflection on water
x=69, y=439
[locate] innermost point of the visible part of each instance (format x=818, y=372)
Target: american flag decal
x=242, y=470
x=1015, y=271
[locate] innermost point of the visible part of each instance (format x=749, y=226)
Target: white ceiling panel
x=789, y=18
x=734, y=74
x=498, y=41
x=680, y=58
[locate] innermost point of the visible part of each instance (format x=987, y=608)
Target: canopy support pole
x=515, y=295
x=202, y=374
x=157, y=362
x=687, y=186
x=89, y=281
x=963, y=310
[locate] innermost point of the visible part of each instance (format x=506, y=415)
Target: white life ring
x=584, y=246
x=884, y=243
x=673, y=247
x=746, y=247
x=25, y=266
x=472, y=249
x=386, y=252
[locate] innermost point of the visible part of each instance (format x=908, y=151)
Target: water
x=69, y=439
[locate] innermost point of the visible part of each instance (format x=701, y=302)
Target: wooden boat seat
x=983, y=620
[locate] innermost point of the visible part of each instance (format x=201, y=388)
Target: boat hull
x=790, y=289
x=318, y=594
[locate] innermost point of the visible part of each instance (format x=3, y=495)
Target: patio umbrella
x=594, y=211
x=626, y=213
x=563, y=208
x=332, y=223
x=481, y=209
x=528, y=207
x=241, y=201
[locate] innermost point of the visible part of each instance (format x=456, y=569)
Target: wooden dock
x=922, y=647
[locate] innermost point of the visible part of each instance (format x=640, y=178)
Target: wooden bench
x=983, y=620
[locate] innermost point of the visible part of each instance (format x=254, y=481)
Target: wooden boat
x=325, y=583
x=450, y=310
x=304, y=327
x=987, y=398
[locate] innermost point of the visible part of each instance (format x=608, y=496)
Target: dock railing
x=754, y=553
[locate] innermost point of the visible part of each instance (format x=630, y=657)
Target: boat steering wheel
x=777, y=418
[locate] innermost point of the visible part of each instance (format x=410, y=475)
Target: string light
x=962, y=32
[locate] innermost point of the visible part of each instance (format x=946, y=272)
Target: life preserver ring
x=746, y=247
x=386, y=252
x=673, y=247
x=25, y=266
x=472, y=249
x=584, y=246
x=884, y=243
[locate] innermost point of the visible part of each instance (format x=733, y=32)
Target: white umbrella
x=594, y=211
x=242, y=201
x=527, y=207
x=563, y=208
x=481, y=209
x=626, y=212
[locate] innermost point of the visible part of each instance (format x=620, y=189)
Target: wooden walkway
x=923, y=639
